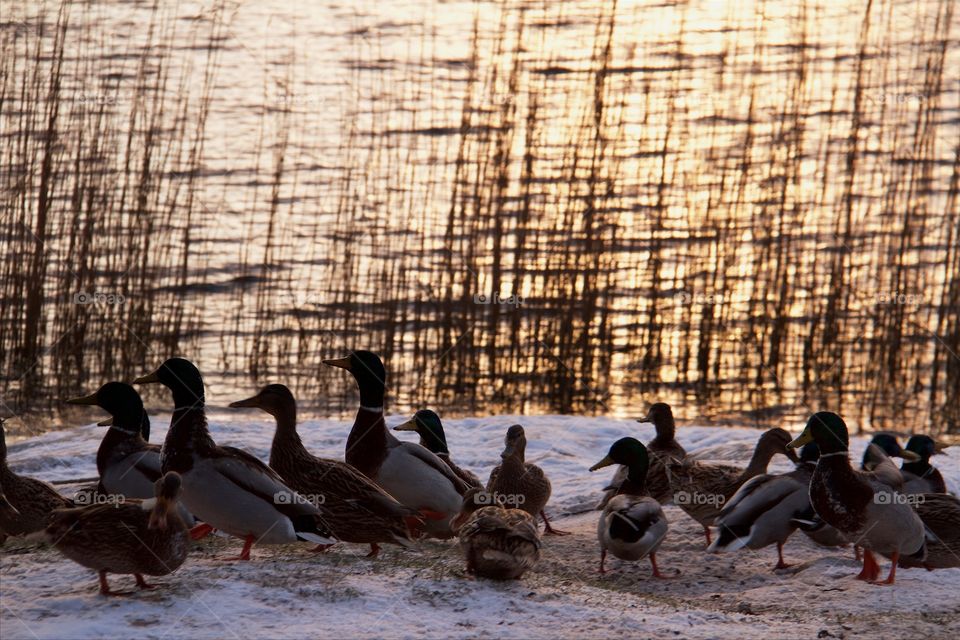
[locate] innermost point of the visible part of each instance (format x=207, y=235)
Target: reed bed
x=566, y=207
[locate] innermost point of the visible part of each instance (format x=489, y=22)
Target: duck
x=139, y=537
x=766, y=510
x=128, y=465
x=808, y=522
x=663, y=449
x=940, y=515
x=359, y=510
x=520, y=483
x=428, y=426
x=856, y=503
x=227, y=488
x=632, y=524
x=701, y=490
x=880, y=449
x=498, y=542
x=407, y=471
x=919, y=476
x=30, y=502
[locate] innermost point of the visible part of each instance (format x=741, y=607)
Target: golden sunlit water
x=746, y=209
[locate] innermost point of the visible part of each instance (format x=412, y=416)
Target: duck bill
x=87, y=400
x=106, y=423
x=409, y=425
x=910, y=456
x=606, y=462
x=804, y=438
x=148, y=379
x=249, y=402
x=340, y=363
x=644, y=420
x=940, y=447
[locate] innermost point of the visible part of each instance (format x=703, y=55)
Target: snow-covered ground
x=287, y=591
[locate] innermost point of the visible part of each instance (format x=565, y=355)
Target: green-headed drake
x=428, y=426
x=407, y=471
x=225, y=487
x=919, y=476
x=856, y=503
x=358, y=510
x=632, y=524
x=663, y=449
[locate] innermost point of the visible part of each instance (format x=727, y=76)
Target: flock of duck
x=150, y=501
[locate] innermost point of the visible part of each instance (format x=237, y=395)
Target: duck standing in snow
x=663, y=449
x=358, y=510
x=142, y=537
x=919, y=476
x=856, y=503
x=428, y=426
x=31, y=502
x=632, y=524
x=498, y=542
x=225, y=487
x=407, y=471
x=702, y=490
x=523, y=484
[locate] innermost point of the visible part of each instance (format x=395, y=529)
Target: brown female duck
x=359, y=510
x=498, y=542
x=701, y=489
x=520, y=483
x=142, y=537
x=428, y=426
x=31, y=501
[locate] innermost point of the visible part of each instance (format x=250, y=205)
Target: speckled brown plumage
x=497, y=542
x=33, y=501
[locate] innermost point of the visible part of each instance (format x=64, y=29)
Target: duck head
x=514, y=443
x=628, y=452
x=167, y=491
x=924, y=447
x=428, y=426
x=275, y=399
x=890, y=446
x=774, y=441
x=661, y=415
x=182, y=378
x=124, y=405
x=368, y=371
x=827, y=430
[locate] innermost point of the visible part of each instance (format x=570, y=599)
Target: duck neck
x=367, y=442
x=666, y=432
x=435, y=442
x=918, y=468
x=286, y=440
x=636, y=482
x=759, y=461
x=113, y=438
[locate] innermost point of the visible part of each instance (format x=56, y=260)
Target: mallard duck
x=919, y=476
x=940, y=514
x=809, y=522
x=889, y=447
x=701, y=489
x=857, y=504
x=359, y=510
x=498, y=542
x=632, y=524
x=428, y=426
x=31, y=501
x=225, y=487
x=522, y=484
x=142, y=537
x=663, y=449
x=127, y=463
x=407, y=471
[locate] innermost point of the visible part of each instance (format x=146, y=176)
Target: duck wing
x=250, y=474
x=429, y=458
